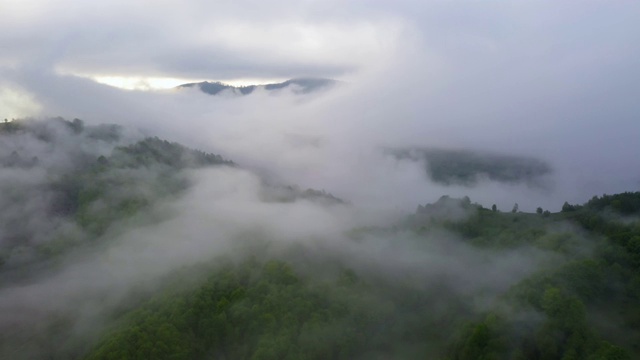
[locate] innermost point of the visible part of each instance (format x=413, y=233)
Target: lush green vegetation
x=587, y=307
x=101, y=179
x=266, y=311
x=582, y=306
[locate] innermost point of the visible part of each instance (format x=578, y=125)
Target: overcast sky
x=332, y=38
x=559, y=80
x=197, y=39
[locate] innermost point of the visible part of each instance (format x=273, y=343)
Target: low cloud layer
x=196, y=39
x=543, y=80
x=227, y=212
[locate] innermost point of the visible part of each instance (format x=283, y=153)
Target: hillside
x=115, y=245
x=467, y=168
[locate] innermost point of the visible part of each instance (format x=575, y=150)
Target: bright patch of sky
x=164, y=83
x=17, y=104
x=139, y=83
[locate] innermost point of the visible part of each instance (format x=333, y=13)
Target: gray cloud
x=210, y=40
x=542, y=79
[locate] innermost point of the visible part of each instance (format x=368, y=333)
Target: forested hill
x=467, y=167
x=64, y=184
x=454, y=280
x=582, y=304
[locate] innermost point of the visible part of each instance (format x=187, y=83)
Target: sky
x=555, y=80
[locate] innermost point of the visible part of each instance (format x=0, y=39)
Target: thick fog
x=226, y=213
x=546, y=80
x=549, y=81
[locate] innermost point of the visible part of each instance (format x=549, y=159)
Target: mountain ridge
x=304, y=85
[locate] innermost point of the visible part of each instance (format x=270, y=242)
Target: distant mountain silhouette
x=466, y=167
x=299, y=85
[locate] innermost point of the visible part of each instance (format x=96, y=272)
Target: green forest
x=483, y=284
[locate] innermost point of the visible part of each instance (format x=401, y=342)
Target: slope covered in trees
x=583, y=304
x=65, y=184
x=465, y=167
x=454, y=280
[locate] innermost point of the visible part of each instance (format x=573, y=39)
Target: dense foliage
x=66, y=183
x=266, y=311
x=584, y=306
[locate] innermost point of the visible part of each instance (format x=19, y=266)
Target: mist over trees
x=117, y=245
x=465, y=167
x=454, y=180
